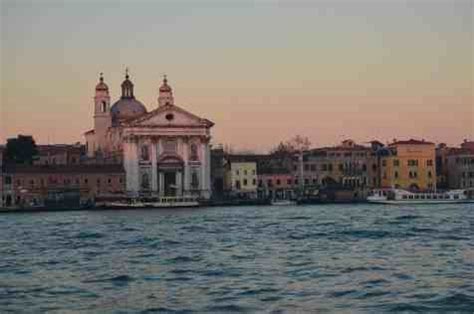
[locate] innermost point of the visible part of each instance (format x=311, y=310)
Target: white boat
x=162, y=202
x=283, y=202
x=399, y=196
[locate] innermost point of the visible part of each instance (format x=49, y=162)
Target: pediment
x=170, y=116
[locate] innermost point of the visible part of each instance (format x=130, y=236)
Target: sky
x=262, y=71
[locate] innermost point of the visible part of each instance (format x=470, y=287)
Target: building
x=460, y=167
x=165, y=151
x=241, y=176
x=35, y=185
x=217, y=172
x=276, y=185
x=347, y=165
x=2, y=197
x=409, y=165
x=60, y=154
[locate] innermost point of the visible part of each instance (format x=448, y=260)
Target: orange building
x=409, y=165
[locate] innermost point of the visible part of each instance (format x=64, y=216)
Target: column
x=179, y=190
x=130, y=162
x=154, y=170
x=161, y=184
x=186, y=175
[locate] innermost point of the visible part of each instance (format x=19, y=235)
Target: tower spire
x=127, y=86
x=166, y=93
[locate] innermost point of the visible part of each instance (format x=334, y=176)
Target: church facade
x=165, y=152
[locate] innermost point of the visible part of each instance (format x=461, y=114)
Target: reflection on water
x=331, y=257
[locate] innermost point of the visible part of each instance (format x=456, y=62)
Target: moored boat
x=162, y=202
x=399, y=196
x=276, y=202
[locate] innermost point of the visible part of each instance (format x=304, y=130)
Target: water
x=341, y=258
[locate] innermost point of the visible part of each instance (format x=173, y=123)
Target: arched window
x=145, y=153
x=145, y=181
x=194, y=153
x=104, y=106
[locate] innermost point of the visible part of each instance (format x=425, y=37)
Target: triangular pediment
x=169, y=116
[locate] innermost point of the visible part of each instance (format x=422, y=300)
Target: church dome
x=127, y=107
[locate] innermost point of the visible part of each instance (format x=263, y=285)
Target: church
x=165, y=152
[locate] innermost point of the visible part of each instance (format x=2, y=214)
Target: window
x=306, y=181
x=413, y=162
x=254, y=182
x=429, y=174
x=245, y=172
x=278, y=182
x=86, y=181
x=254, y=172
x=245, y=182
x=341, y=167
x=237, y=172
x=8, y=180
x=109, y=181
x=270, y=182
x=396, y=174
x=384, y=163
x=364, y=167
x=313, y=168
x=396, y=162
x=330, y=167
x=104, y=106
x=237, y=184
x=429, y=162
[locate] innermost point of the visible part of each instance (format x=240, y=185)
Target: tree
x=282, y=155
x=296, y=144
x=21, y=150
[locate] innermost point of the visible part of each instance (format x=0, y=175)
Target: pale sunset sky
x=263, y=71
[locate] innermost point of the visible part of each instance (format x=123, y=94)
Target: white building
x=165, y=152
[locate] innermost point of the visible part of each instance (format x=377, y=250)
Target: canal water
x=336, y=258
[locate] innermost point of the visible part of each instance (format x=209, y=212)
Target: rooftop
x=65, y=169
x=411, y=142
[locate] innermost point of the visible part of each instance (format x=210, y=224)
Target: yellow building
x=240, y=177
x=410, y=165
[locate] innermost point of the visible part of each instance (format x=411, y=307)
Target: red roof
x=412, y=142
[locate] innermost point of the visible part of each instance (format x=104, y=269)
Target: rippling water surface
x=362, y=258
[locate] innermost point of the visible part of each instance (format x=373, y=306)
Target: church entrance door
x=170, y=183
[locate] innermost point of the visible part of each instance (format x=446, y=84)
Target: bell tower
x=102, y=119
x=166, y=94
